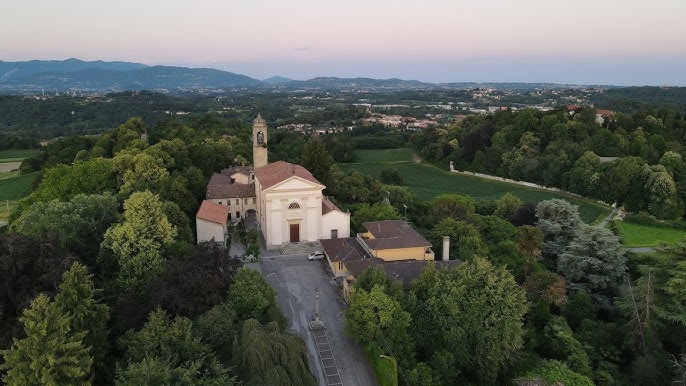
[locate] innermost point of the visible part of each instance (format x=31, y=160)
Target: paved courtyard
x=296, y=280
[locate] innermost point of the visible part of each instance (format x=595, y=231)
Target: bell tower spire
x=259, y=142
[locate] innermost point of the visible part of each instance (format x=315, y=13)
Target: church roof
x=220, y=186
x=237, y=169
x=213, y=212
x=277, y=172
x=392, y=234
x=328, y=206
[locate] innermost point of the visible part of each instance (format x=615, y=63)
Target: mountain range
x=100, y=76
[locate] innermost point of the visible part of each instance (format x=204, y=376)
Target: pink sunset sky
x=601, y=41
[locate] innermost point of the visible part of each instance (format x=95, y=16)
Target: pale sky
x=583, y=41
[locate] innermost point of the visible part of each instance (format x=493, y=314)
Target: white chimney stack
x=446, y=248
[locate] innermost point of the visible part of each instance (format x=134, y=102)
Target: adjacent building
x=391, y=244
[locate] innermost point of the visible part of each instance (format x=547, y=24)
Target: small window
x=294, y=205
x=254, y=200
x=334, y=233
x=238, y=201
x=238, y=214
x=245, y=201
x=220, y=203
x=229, y=216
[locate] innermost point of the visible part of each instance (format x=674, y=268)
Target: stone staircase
x=298, y=248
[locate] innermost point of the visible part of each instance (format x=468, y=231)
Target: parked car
x=316, y=255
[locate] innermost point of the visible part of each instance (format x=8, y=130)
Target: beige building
x=283, y=200
x=211, y=222
x=391, y=244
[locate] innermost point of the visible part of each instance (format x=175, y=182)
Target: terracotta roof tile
x=213, y=212
x=237, y=169
x=404, y=270
x=391, y=234
x=277, y=172
x=328, y=206
x=220, y=186
x=344, y=249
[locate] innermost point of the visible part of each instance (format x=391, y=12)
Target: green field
x=635, y=235
x=15, y=188
x=15, y=155
x=427, y=181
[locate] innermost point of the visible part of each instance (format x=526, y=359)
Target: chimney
x=446, y=248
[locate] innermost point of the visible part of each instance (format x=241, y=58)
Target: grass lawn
x=17, y=187
x=428, y=181
x=635, y=235
x=16, y=155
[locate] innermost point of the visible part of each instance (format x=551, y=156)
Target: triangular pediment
x=294, y=183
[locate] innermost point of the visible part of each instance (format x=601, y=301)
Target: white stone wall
x=207, y=230
x=335, y=219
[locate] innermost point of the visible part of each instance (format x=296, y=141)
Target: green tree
x=79, y=224
x=377, y=321
x=142, y=172
x=552, y=371
x=559, y=221
x=77, y=296
x=317, y=160
x=507, y=205
x=63, y=182
x=51, y=353
x=529, y=241
x=266, y=355
x=253, y=298
x=594, y=262
x=465, y=241
x=28, y=266
x=474, y=311
x=392, y=177
x=452, y=205
x=375, y=212
x=138, y=243
x=377, y=276
x=662, y=195
x=166, y=350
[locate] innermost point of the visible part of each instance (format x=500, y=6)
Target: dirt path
x=9, y=166
x=416, y=158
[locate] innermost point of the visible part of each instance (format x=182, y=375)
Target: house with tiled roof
x=390, y=244
x=210, y=222
x=284, y=200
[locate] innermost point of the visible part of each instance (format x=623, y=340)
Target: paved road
x=296, y=281
x=608, y=218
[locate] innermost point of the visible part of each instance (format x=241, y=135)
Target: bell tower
x=259, y=142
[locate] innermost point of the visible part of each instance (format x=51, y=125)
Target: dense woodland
x=563, y=149
x=99, y=260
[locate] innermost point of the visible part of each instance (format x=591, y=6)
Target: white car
x=316, y=255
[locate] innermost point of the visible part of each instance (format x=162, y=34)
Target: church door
x=295, y=233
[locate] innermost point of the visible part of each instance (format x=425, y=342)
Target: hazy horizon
x=611, y=42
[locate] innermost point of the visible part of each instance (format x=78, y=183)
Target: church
x=284, y=201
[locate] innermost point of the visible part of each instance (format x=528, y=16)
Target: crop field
x=428, y=181
x=15, y=155
x=16, y=187
x=635, y=235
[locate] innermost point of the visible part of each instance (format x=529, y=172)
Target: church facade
x=284, y=200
